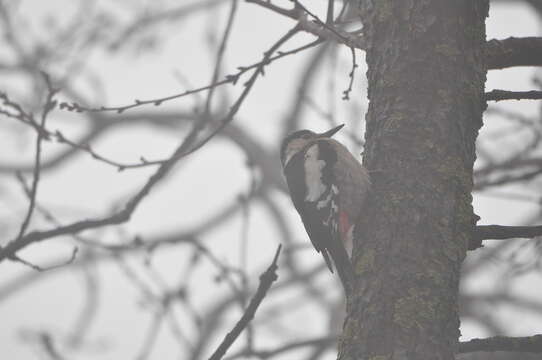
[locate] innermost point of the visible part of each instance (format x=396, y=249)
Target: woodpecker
x=328, y=187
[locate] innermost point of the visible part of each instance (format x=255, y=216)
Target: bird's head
x=298, y=140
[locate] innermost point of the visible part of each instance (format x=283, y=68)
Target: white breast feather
x=313, y=174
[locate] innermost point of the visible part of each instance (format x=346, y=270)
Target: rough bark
x=426, y=75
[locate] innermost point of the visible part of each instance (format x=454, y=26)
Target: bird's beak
x=331, y=132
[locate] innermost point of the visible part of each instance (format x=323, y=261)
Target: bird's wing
x=295, y=177
x=330, y=208
x=316, y=197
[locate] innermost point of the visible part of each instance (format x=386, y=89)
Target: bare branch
x=175, y=14
x=346, y=93
x=18, y=113
x=324, y=30
x=46, y=341
x=508, y=179
x=498, y=95
x=226, y=271
x=102, y=123
x=291, y=13
x=220, y=55
x=266, y=280
x=296, y=109
x=229, y=79
x=151, y=335
x=510, y=52
x=186, y=147
x=530, y=344
x=89, y=310
x=49, y=105
x=120, y=166
x=330, y=11
x=39, y=268
x=498, y=232
x=318, y=21
x=248, y=86
x=266, y=354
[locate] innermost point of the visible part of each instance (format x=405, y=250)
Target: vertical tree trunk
x=426, y=77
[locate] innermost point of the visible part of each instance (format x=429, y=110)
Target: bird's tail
x=343, y=265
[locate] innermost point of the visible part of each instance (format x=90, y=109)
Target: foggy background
x=217, y=219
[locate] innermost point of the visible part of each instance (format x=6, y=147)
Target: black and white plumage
x=328, y=187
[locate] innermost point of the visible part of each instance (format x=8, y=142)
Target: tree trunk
x=426, y=76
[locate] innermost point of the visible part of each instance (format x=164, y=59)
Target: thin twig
x=172, y=14
x=19, y=113
x=266, y=280
x=318, y=21
x=291, y=13
x=346, y=93
x=69, y=261
x=185, y=148
x=49, y=105
x=89, y=311
x=245, y=201
x=225, y=271
x=49, y=346
x=351, y=42
x=323, y=30
x=151, y=335
x=228, y=79
x=295, y=345
x=120, y=166
x=220, y=54
x=248, y=86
